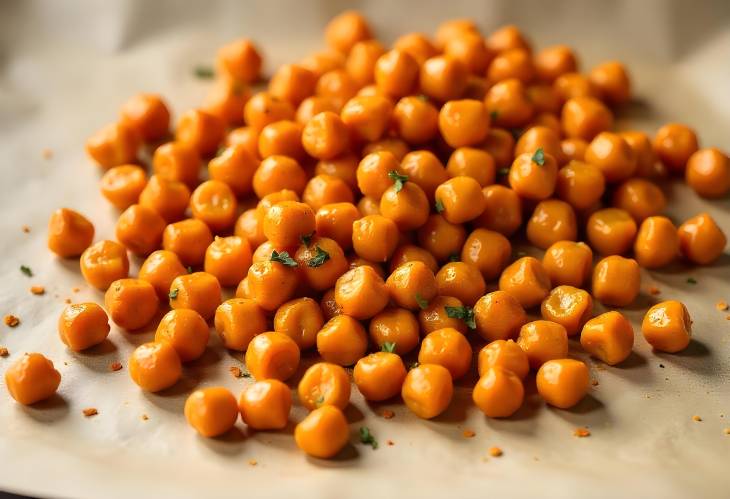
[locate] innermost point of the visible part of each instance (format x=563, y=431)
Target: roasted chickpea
x=505, y=354
x=312, y=106
x=245, y=136
x=500, y=144
x=471, y=50
x=534, y=176
x=461, y=280
x=540, y=137
x=374, y=237
x=396, y=73
x=160, y=269
x=674, y=144
x=147, y=115
x=169, y=198
x=441, y=238
x=527, y=280
x=249, y=226
x=326, y=189
x=575, y=149
x=360, y=63
x=115, y=144
x=507, y=37
x=411, y=283
x=425, y=169
x=188, y=239
x=511, y=64
x=611, y=231
x=228, y=259
x=612, y=155
x=323, y=384
x=83, y=325
x=337, y=85
x=214, y=203
x=474, y=163
x=568, y=306
x=406, y=204
x=415, y=120
x=140, y=229
x=356, y=261
x=612, y=81
x=551, y=62
x=155, y=366
x=449, y=348
x=443, y=78
x=103, y=263
x=346, y=29
x=361, y=292
x=342, y=340
x=498, y=393
x=237, y=321
x=292, y=83
x=701, y=240
x=417, y=45
x=122, y=185
x=396, y=326
x=608, y=337
x=132, y=303
x=552, y=221
x=463, y=122
x=427, y=390
x=373, y=173
x=281, y=138
x=563, y=382
x=546, y=101
x=572, y=85
x=271, y=283
x=69, y=233
x=199, y=291
x=323, y=433
x=211, y=411
x=272, y=355
x=265, y=405
x=32, y=378
x=646, y=159
x=300, y=319
x=502, y=211
x=264, y=108
x=177, y=161
x=200, y=130
x=568, y=263
x=580, y=184
x=323, y=61
x=616, y=281
x=508, y=104
x=240, y=60
x=186, y=331
x=585, y=117
x=277, y=173
x=286, y=222
x=667, y=326
x=434, y=316
x=242, y=290
x=367, y=117
x=343, y=167
x=708, y=173
x=322, y=262
x=657, y=243
x=411, y=253
x=453, y=28
x=488, y=251
x=226, y=100
x=543, y=341
x=335, y=222
x=379, y=376
x=499, y=316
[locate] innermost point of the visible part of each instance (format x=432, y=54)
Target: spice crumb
x=495, y=451
x=4, y=352
x=75, y=290
x=11, y=320
x=67, y=300
x=726, y=431
x=594, y=382
x=145, y=417
x=582, y=432
x=387, y=414
x=47, y=153
x=236, y=372
x=25, y=229
x=38, y=290
x=253, y=462
x=469, y=434
x=721, y=305
x=90, y=411
x=661, y=365
x=696, y=418
x=115, y=366
x=653, y=290
x=390, y=442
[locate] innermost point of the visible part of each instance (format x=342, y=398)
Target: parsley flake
x=691, y=280
x=494, y=115
x=26, y=270
x=398, y=179
x=422, y=302
x=413, y=365
x=388, y=346
x=539, y=156
x=190, y=269
x=283, y=258
x=173, y=294
x=464, y=313
x=503, y=171
x=318, y=259
x=454, y=257
x=306, y=238
x=319, y=401
x=204, y=72
x=439, y=206
x=367, y=438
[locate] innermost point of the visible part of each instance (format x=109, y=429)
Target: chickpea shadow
x=633, y=361
x=51, y=410
x=281, y=439
x=229, y=444
x=173, y=399
x=209, y=358
x=95, y=358
x=346, y=456
x=353, y=414
x=457, y=410
x=696, y=357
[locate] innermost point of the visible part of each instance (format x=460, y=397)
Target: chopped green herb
x=388, y=346
x=26, y=270
x=398, y=179
x=320, y=400
x=204, y=72
x=691, y=280
x=464, y=313
x=454, y=257
x=422, y=97
x=318, y=259
x=367, y=438
x=494, y=115
x=220, y=150
x=503, y=171
x=439, y=206
x=283, y=258
x=245, y=374
x=422, y=302
x=307, y=238
x=190, y=269
x=413, y=365
x=173, y=294
x=516, y=132
x=539, y=156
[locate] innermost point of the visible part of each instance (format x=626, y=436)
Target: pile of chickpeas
x=362, y=206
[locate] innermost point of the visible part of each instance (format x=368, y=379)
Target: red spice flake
x=252, y=462
x=145, y=417
x=721, y=305
x=581, y=432
x=47, y=153
x=594, y=382
x=696, y=418
x=4, y=352
x=90, y=411
x=469, y=434
x=11, y=320
x=75, y=290
x=25, y=229
x=387, y=414
x=495, y=452
x=236, y=372
x=38, y=290
x=115, y=366
x=653, y=290
x=390, y=442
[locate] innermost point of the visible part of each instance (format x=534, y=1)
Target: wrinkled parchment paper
x=65, y=67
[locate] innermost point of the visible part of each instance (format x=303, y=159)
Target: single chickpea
x=373, y=173
x=69, y=233
x=200, y=130
x=435, y=315
x=140, y=229
x=368, y=117
x=612, y=81
x=346, y=29
x=415, y=120
x=323, y=61
x=264, y=108
x=441, y=238
x=411, y=284
x=83, y=325
x=245, y=136
x=461, y=280
x=322, y=262
x=563, y=382
x=405, y=203
x=667, y=326
x=552, y=62
x=242, y=290
x=379, y=376
x=512, y=63
x=342, y=340
x=474, y=163
x=337, y=85
x=608, y=337
x=461, y=199
x=657, y=243
x=159, y=269
x=540, y=137
x=427, y=390
x=169, y=198
x=543, y=341
x=504, y=354
x=574, y=85
x=374, y=237
x=580, y=184
x=240, y=60
x=552, y=221
x=324, y=383
x=463, y=122
x=499, y=316
x=575, y=149
x=498, y=393
x=425, y=169
x=272, y=282
x=238, y=321
x=323, y=433
x=674, y=144
x=361, y=292
x=249, y=226
x=616, y=281
x=177, y=161
x=508, y=104
x=568, y=263
x=396, y=74
x=443, y=78
x=115, y=144
x=155, y=366
x=585, y=117
x=343, y=167
x=285, y=223
x=417, y=45
x=214, y=203
x=646, y=159
x=32, y=378
x=300, y=319
x=502, y=211
x=360, y=63
x=453, y=28
x=335, y=221
x=611, y=231
x=199, y=291
x=188, y=239
x=546, y=101
x=132, y=303
x=471, y=50
x=568, y=306
x=228, y=259
x=397, y=327
x=147, y=115
x=277, y=173
x=708, y=173
x=121, y=185
x=211, y=411
x=103, y=263
x=449, y=348
x=326, y=189
x=226, y=100
x=312, y=106
x=265, y=405
x=701, y=240
x=282, y=138
x=186, y=331
x=527, y=280
x=292, y=83
x=488, y=251
x=534, y=176
x=272, y=355
x=612, y=155
x=500, y=144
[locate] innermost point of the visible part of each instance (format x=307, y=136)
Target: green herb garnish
x=439, y=206
x=539, y=156
x=388, y=346
x=318, y=259
x=173, y=294
x=190, y=269
x=398, y=179
x=454, y=257
x=283, y=258
x=422, y=302
x=503, y=171
x=413, y=365
x=244, y=374
x=319, y=401
x=204, y=72
x=493, y=115
x=464, y=313
x=691, y=280
x=367, y=438
x=306, y=238
x=26, y=270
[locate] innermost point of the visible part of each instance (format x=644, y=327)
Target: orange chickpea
x=211, y=411
x=463, y=122
x=140, y=229
x=69, y=233
x=508, y=104
x=199, y=291
x=667, y=326
x=292, y=83
x=367, y=117
x=504, y=354
x=281, y=138
x=325, y=136
x=406, y=204
x=471, y=50
x=379, y=376
x=616, y=281
x=276, y=173
x=612, y=155
x=461, y=280
x=612, y=81
x=708, y=173
x=551, y=121
x=346, y=29
x=425, y=169
x=326, y=189
x=701, y=240
x=228, y=259
x=543, y=341
x=177, y=161
x=453, y=28
x=507, y=37
x=585, y=117
x=343, y=167
x=500, y=144
x=329, y=305
x=580, y=184
x=242, y=290
x=527, y=280
x=312, y=106
x=83, y=325
x=551, y=62
x=226, y=100
x=372, y=173
x=434, y=316
x=415, y=120
x=360, y=63
x=264, y=108
x=323, y=61
x=324, y=384
x=502, y=211
x=443, y=78
x=147, y=115
x=272, y=283
x=300, y=319
x=545, y=99
x=411, y=283
x=249, y=226
x=511, y=63
x=322, y=262
x=32, y=378
x=361, y=292
x=396, y=74
x=342, y=340
x=335, y=221
x=470, y=162
x=499, y=316
x=115, y=144
x=188, y=239
x=235, y=166
x=568, y=306
x=563, y=382
x=122, y=185
x=240, y=60
x=417, y=45
x=286, y=222
x=674, y=144
x=646, y=160
x=246, y=136
x=657, y=243
x=568, y=263
x=200, y=130
x=441, y=238
x=572, y=85
x=214, y=203
x=374, y=237
x=272, y=355
x=534, y=176
x=160, y=269
x=265, y=405
x=488, y=251
x=498, y=393
x=449, y=348
x=237, y=321
x=611, y=231
x=103, y=263
x=411, y=253
x=396, y=326
x=552, y=221
x=169, y=198
x=186, y=331
x=323, y=433
x=575, y=149
x=537, y=137
x=608, y=337
x=132, y=303
x=427, y=390
x=155, y=366
x=337, y=85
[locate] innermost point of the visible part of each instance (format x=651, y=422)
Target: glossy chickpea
x=470, y=49
x=534, y=176
x=69, y=233
x=507, y=102
x=568, y=263
x=228, y=259
x=453, y=28
x=395, y=326
x=329, y=305
x=199, y=291
x=504, y=354
x=585, y=117
x=410, y=283
x=372, y=173
x=226, y=100
x=499, y=316
x=103, y=263
x=361, y=59
x=701, y=240
x=235, y=166
x=580, y=184
x=272, y=355
x=449, y=348
x=526, y=280
x=674, y=144
x=300, y=319
x=200, y=130
x=265, y=405
x=461, y=280
x=612, y=81
x=140, y=229
x=540, y=137
x=321, y=263
x=616, y=281
x=361, y=292
x=572, y=85
x=550, y=121
x=568, y=306
x=708, y=173
x=122, y=185
x=612, y=155
x=657, y=243
x=646, y=159
x=214, y=203
x=335, y=221
x=323, y=384
x=272, y=283
x=240, y=60
x=463, y=122
x=502, y=210
x=546, y=101
x=264, y=108
x=507, y=37
x=379, y=376
x=411, y=253
x=551, y=62
x=417, y=45
x=608, y=337
x=323, y=61
x=159, y=269
x=177, y=161
x=552, y=221
x=474, y=163
x=343, y=167
x=83, y=325
x=611, y=231
x=281, y=138
x=441, y=238
x=277, y=173
x=147, y=115
x=326, y=189
x=367, y=117
x=245, y=136
x=406, y=204
x=415, y=120
x=188, y=239
x=132, y=303
x=155, y=366
x=249, y=226
x=498, y=393
x=563, y=383
x=337, y=85
x=667, y=326
x=169, y=198
x=345, y=30
x=443, y=78
x=374, y=237
x=511, y=63
x=186, y=331
x=286, y=222
x=312, y=106
x=427, y=390
x=292, y=83
x=323, y=433
x=488, y=251
x=396, y=74
x=238, y=321
x=434, y=316
x=575, y=149
x=543, y=341
x=211, y=411
x=342, y=340
x=500, y=144
x=32, y=378
x=115, y=144
x=425, y=169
